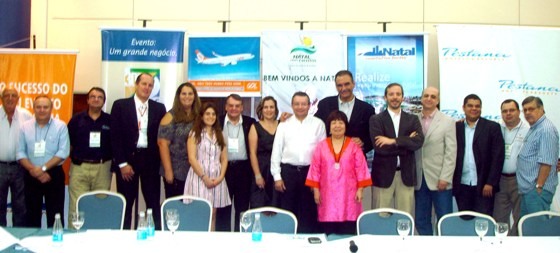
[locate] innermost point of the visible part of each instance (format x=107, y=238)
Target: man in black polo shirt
x=90, y=141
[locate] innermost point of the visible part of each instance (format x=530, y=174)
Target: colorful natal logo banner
x=40, y=72
x=498, y=63
x=378, y=60
x=221, y=65
x=301, y=61
x=128, y=52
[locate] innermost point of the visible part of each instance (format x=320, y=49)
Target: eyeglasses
x=96, y=97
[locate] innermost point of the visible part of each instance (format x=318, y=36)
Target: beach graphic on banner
x=378, y=60
x=301, y=61
x=219, y=66
x=126, y=53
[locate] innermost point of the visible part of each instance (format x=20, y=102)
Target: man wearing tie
x=134, y=127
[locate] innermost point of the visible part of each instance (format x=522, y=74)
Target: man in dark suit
x=480, y=159
x=239, y=174
x=134, y=128
x=357, y=111
x=395, y=135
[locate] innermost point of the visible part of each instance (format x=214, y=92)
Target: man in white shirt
x=11, y=175
x=292, y=151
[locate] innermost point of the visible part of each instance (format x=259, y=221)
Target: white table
x=222, y=242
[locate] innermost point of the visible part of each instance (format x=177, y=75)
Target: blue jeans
x=533, y=202
x=11, y=177
x=424, y=198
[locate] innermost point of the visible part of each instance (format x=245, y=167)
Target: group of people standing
x=314, y=166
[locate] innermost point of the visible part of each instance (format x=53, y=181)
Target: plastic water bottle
x=151, y=225
x=142, y=228
x=257, y=229
x=57, y=230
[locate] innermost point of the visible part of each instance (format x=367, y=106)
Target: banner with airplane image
x=127, y=52
x=380, y=59
x=301, y=61
x=221, y=65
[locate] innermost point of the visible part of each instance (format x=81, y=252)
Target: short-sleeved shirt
x=55, y=135
x=177, y=134
x=81, y=128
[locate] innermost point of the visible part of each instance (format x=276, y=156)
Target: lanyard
x=49, y=126
x=515, y=136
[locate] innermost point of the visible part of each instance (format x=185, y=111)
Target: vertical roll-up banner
x=301, y=61
x=223, y=64
x=380, y=59
x=127, y=52
x=41, y=72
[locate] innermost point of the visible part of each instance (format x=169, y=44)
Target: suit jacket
x=488, y=148
x=124, y=129
x=358, y=122
x=436, y=159
x=385, y=158
x=247, y=123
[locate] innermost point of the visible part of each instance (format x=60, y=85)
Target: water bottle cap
x=149, y=211
x=142, y=214
x=57, y=216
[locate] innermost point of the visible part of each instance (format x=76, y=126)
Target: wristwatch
x=539, y=186
x=44, y=168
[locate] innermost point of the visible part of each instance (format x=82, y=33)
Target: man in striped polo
x=537, y=160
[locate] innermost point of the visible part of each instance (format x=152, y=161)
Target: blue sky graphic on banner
x=221, y=65
x=377, y=60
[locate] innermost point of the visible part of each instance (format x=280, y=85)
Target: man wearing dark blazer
x=480, y=159
x=357, y=111
x=239, y=174
x=395, y=135
x=134, y=128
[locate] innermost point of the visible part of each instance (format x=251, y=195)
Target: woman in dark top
x=172, y=139
x=261, y=138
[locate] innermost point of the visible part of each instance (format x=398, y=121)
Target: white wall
x=74, y=24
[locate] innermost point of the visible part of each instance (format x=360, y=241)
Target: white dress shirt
x=10, y=133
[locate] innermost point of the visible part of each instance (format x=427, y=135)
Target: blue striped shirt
x=540, y=147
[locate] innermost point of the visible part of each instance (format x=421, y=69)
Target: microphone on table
x=353, y=247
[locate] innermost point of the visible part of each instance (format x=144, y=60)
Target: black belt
x=9, y=163
x=508, y=174
x=97, y=161
x=297, y=167
x=398, y=168
x=237, y=161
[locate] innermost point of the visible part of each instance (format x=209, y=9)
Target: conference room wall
x=74, y=24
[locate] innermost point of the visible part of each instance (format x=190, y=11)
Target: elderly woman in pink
x=338, y=174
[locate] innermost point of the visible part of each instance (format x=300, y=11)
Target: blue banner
x=142, y=45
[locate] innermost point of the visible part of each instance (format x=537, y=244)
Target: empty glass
x=501, y=230
x=403, y=227
x=481, y=228
x=172, y=219
x=77, y=219
x=245, y=221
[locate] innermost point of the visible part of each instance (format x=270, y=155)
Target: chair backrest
x=382, y=221
x=102, y=209
x=195, y=214
x=462, y=224
x=275, y=220
x=543, y=223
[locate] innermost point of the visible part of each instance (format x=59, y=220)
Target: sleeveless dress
x=208, y=155
x=263, y=197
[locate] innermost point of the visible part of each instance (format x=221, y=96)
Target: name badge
x=508, y=150
x=143, y=125
x=337, y=166
x=233, y=145
x=40, y=148
x=94, y=139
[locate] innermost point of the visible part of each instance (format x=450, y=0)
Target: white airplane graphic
x=222, y=60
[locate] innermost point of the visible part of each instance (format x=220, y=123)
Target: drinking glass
x=501, y=230
x=77, y=219
x=172, y=220
x=481, y=228
x=403, y=227
x=245, y=221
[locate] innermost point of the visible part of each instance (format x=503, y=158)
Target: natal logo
x=387, y=51
x=301, y=53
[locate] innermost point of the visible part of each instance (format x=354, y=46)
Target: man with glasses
x=90, y=141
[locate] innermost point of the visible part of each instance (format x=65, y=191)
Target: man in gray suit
x=435, y=163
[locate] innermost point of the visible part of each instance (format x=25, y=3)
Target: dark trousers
x=12, y=179
x=177, y=188
x=298, y=198
x=52, y=191
x=146, y=171
x=469, y=199
x=238, y=178
x=442, y=202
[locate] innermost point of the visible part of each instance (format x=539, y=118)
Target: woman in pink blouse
x=338, y=174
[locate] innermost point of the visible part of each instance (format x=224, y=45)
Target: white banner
x=301, y=61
